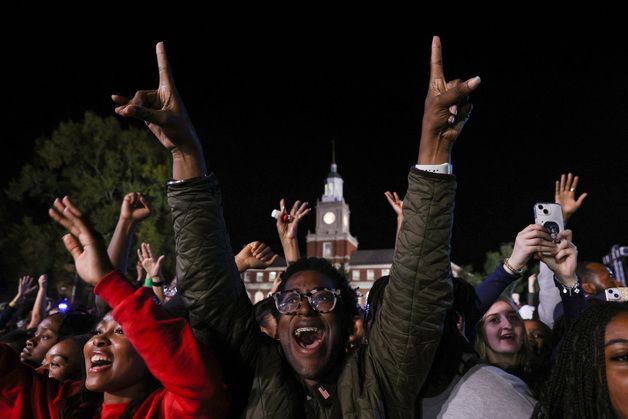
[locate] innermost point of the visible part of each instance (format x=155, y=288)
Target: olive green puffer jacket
x=381, y=379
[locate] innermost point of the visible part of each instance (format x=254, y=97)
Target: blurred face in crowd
x=616, y=360
x=45, y=337
x=111, y=363
x=537, y=336
x=503, y=332
x=312, y=341
x=63, y=360
x=601, y=278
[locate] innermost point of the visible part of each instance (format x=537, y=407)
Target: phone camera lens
x=540, y=206
x=545, y=212
x=616, y=295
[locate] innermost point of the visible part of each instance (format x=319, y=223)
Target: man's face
x=616, y=357
x=603, y=278
x=312, y=341
x=45, y=337
x=112, y=364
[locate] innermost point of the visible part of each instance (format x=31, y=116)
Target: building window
x=355, y=275
x=326, y=249
x=259, y=277
x=370, y=274
x=259, y=296
x=272, y=276
x=385, y=272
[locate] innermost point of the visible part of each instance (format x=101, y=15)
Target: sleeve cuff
x=445, y=168
x=114, y=288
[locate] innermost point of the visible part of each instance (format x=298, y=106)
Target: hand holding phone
x=550, y=216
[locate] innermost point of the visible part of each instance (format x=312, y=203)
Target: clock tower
x=332, y=238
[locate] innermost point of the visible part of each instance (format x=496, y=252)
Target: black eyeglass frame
x=335, y=292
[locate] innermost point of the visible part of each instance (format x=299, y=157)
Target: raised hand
x=529, y=241
x=151, y=265
x=397, y=205
x=163, y=111
x=84, y=244
x=135, y=207
x=565, y=195
x=288, y=230
x=255, y=255
x=42, y=281
x=140, y=271
x=25, y=287
x=564, y=259
x=446, y=111
x=395, y=202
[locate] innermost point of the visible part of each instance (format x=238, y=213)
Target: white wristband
x=445, y=168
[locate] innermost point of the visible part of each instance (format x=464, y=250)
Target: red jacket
x=191, y=379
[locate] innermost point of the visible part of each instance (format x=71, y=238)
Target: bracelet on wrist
x=575, y=288
x=156, y=281
x=511, y=269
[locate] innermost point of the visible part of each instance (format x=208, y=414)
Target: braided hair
x=577, y=386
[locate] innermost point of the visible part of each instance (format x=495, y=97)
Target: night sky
x=267, y=107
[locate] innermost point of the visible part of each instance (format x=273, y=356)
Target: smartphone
x=616, y=294
x=550, y=216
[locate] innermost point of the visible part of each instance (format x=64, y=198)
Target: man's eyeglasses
x=322, y=300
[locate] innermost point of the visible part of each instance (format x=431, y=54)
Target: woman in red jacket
x=135, y=342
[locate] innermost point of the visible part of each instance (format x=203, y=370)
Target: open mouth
x=508, y=337
x=308, y=337
x=99, y=363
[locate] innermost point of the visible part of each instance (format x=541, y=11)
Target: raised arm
x=288, y=230
x=23, y=289
x=530, y=240
x=192, y=380
x=207, y=277
x=39, y=308
x=408, y=326
x=135, y=208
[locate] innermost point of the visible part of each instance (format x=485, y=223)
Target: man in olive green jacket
x=318, y=378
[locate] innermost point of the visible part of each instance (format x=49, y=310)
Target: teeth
x=306, y=329
x=96, y=358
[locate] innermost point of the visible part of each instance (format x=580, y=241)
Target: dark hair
x=263, y=308
x=374, y=302
x=349, y=297
x=75, y=322
x=577, y=386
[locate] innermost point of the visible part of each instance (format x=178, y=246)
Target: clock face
x=329, y=217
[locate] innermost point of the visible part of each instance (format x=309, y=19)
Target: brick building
x=332, y=240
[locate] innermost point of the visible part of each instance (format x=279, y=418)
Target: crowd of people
x=427, y=343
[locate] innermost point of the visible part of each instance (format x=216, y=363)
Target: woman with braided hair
x=590, y=378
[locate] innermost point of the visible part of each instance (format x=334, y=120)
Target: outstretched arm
x=39, y=308
x=207, y=277
x=408, y=327
x=135, y=208
x=193, y=382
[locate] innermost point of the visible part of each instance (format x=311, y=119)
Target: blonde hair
x=520, y=359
